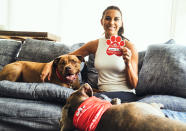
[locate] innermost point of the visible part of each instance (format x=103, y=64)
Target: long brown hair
x=121, y=30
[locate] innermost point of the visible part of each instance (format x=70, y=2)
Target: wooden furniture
x=22, y=35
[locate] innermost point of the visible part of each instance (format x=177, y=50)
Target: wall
x=3, y=14
x=180, y=22
x=145, y=21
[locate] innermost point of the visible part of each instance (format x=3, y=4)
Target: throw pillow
x=41, y=50
x=163, y=71
x=8, y=51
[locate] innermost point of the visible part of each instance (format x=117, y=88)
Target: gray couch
x=37, y=106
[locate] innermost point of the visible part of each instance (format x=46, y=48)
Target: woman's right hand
x=46, y=72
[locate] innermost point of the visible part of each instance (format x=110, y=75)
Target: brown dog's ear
x=81, y=58
x=56, y=61
x=87, y=89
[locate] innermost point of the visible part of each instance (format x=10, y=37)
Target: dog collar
x=59, y=76
x=89, y=113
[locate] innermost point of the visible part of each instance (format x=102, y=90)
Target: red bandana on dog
x=89, y=113
x=115, y=44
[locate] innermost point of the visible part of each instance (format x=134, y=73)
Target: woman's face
x=111, y=22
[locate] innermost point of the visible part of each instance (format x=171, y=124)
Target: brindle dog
x=134, y=116
x=65, y=71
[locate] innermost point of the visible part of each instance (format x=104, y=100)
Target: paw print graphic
x=115, y=44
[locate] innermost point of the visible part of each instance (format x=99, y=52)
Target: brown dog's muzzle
x=70, y=75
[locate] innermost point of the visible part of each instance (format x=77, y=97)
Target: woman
x=117, y=75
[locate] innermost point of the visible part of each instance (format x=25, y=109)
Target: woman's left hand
x=127, y=54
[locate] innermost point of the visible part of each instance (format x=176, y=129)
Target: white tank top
x=111, y=69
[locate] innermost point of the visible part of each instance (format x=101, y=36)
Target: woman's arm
x=88, y=48
x=130, y=56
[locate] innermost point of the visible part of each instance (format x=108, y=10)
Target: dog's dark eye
x=63, y=62
x=73, y=61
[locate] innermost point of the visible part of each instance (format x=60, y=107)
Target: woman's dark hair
x=121, y=30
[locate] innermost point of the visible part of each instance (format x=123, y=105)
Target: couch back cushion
x=76, y=46
x=8, y=51
x=41, y=50
x=92, y=74
x=141, y=54
x=163, y=71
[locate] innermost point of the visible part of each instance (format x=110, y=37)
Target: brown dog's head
x=68, y=66
x=72, y=104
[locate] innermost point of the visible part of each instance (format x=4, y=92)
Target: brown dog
x=65, y=71
x=134, y=116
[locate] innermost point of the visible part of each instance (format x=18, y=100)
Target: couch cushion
x=163, y=71
x=170, y=102
x=92, y=74
x=171, y=41
x=41, y=50
x=29, y=115
x=35, y=91
x=8, y=51
x=76, y=46
x=141, y=54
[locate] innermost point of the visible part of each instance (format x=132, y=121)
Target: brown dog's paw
x=116, y=101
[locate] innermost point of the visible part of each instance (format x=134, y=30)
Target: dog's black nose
x=68, y=68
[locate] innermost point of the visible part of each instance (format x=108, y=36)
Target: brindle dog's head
x=68, y=66
x=72, y=104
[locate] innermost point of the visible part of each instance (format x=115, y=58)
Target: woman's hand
x=46, y=72
x=127, y=54
x=130, y=56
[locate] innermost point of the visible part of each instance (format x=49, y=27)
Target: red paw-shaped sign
x=115, y=44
